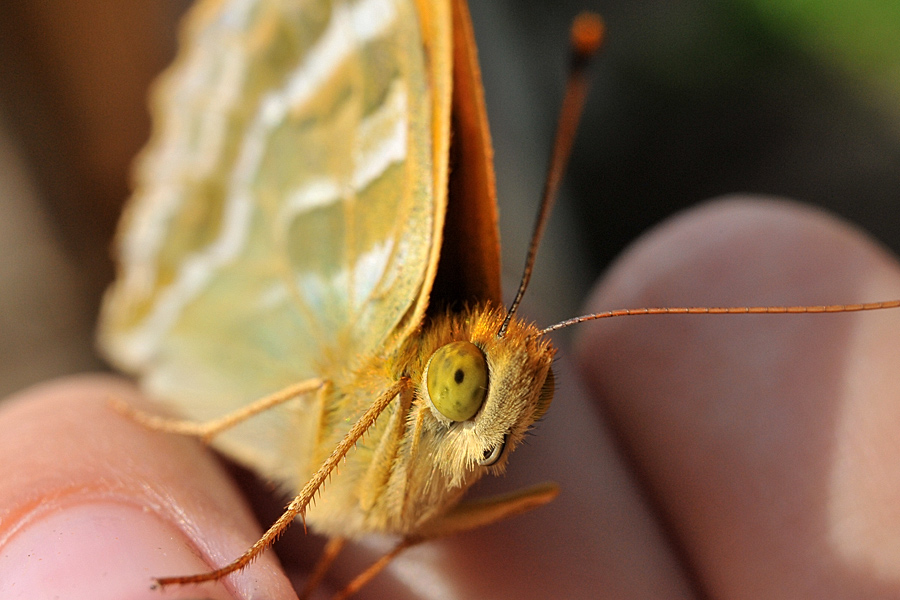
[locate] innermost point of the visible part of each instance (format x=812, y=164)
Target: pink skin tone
x=725, y=457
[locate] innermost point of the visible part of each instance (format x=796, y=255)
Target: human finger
x=767, y=443
x=95, y=505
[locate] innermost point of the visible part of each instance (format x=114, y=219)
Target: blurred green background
x=691, y=99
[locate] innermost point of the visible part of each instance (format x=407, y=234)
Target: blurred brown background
x=692, y=99
x=73, y=83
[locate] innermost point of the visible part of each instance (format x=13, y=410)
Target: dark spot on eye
x=459, y=376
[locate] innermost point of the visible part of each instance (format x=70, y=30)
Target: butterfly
x=312, y=251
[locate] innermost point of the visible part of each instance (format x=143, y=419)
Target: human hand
x=764, y=445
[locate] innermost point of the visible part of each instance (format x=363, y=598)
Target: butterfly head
x=483, y=376
x=482, y=391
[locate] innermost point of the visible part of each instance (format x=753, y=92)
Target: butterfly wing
x=287, y=210
x=470, y=251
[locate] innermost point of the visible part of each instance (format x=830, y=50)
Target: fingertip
x=737, y=251
x=96, y=550
x=762, y=438
x=98, y=505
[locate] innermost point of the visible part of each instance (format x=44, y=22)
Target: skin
x=721, y=457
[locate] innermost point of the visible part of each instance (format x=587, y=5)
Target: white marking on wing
x=273, y=296
x=182, y=154
x=368, y=270
x=319, y=192
x=146, y=232
x=238, y=14
x=371, y=18
x=193, y=275
x=367, y=19
x=223, y=96
x=382, y=142
x=318, y=290
x=362, y=22
x=382, y=138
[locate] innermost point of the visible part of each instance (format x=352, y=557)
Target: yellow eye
x=457, y=380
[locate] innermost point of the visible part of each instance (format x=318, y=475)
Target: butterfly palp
x=492, y=455
x=456, y=379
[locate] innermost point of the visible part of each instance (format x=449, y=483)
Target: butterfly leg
x=375, y=568
x=465, y=517
x=301, y=501
x=332, y=549
x=473, y=514
x=208, y=429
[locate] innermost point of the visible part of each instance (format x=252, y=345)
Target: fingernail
x=100, y=551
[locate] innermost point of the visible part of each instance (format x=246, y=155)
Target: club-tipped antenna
x=587, y=37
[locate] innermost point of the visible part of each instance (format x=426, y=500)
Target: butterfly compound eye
x=457, y=380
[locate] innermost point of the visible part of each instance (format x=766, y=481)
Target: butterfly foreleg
x=208, y=429
x=375, y=568
x=385, y=454
x=374, y=480
x=464, y=517
x=332, y=549
x=301, y=501
x=473, y=514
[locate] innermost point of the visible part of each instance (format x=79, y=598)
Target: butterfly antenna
x=587, y=37
x=730, y=310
